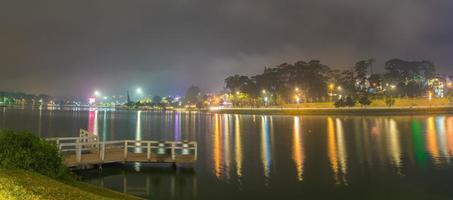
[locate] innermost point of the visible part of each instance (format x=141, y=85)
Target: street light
x=139, y=91
x=97, y=93
x=297, y=89
x=264, y=91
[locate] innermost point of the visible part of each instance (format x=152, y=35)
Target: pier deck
x=88, y=150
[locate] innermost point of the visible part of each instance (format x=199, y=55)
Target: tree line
x=313, y=81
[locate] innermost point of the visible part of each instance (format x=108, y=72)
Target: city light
x=91, y=100
x=97, y=93
x=264, y=91
x=139, y=91
x=297, y=99
x=331, y=86
x=339, y=88
x=297, y=89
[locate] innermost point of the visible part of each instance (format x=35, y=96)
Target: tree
x=236, y=82
x=361, y=69
x=157, y=100
x=410, y=76
x=193, y=96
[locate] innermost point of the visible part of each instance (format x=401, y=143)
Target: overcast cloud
x=71, y=47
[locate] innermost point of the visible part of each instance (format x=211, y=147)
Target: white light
x=97, y=93
x=139, y=91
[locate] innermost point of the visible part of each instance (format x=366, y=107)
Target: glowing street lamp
x=331, y=86
x=296, y=89
x=139, y=91
x=264, y=91
x=97, y=93
x=297, y=99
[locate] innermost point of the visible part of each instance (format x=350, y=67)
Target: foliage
x=157, y=101
x=340, y=103
x=450, y=97
x=193, y=96
x=364, y=101
x=350, y=102
x=23, y=150
x=389, y=101
x=410, y=76
x=314, y=79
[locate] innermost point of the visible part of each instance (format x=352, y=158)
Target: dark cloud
x=67, y=47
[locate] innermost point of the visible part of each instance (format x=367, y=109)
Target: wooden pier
x=88, y=150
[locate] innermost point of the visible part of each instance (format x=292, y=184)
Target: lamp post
x=331, y=87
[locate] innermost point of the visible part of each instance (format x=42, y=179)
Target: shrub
x=389, y=101
x=350, y=102
x=364, y=101
x=23, y=150
x=339, y=103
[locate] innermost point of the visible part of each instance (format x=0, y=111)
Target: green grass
x=24, y=185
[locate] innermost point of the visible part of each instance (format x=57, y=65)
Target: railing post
x=173, y=156
x=102, y=152
x=78, y=151
x=125, y=150
x=148, y=153
x=196, y=149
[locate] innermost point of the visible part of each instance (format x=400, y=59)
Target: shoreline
x=369, y=111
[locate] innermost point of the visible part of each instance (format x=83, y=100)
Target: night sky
x=71, y=47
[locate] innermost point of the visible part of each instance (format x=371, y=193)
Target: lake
x=266, y=157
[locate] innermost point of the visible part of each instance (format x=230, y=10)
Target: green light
x=419, y=144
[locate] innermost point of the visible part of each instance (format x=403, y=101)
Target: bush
x=389, y=101
x=23, y=150
x=364, y=101
x=350, y=102
x=339, y=103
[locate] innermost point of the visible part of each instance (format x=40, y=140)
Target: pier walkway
x=88, y=150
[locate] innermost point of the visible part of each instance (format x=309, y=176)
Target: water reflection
x=298, y=150
x=217, y=148
x=146, y=182
x=394, y=149
x=238, y=146
x=336, y=150
x=266, y=154
x=242, y=151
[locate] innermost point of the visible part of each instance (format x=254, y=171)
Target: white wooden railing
x=78, y=145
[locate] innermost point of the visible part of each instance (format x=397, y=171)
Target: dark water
x=268, y=157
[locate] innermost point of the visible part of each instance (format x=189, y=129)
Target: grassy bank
x=399, y=102
x=341, y=111
x=24, y=185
